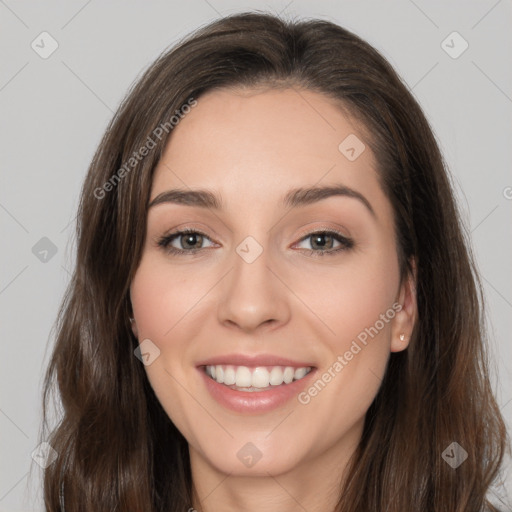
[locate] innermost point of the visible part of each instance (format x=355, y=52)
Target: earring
x=402, y=337
x=132, y=319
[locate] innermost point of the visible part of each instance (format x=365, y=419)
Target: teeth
x=243, y=377
x=276, y=376
x=288, y=374
x=229, y=376
x=260, y=378
x=253, y=379
x=299, y=373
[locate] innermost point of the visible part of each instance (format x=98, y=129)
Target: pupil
x=317, y=240
x=191, y=239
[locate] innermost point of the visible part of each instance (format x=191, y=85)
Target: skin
x=251, y=147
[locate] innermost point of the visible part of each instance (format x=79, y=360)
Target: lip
x=254, y=360
x=256, y=402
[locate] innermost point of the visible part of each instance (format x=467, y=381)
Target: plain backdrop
x=54, y=111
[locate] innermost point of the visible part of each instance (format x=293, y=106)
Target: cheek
x=357, y=306
x=352, y=297
x=163, y=307
x=161, y=297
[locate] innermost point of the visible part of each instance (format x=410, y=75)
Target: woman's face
x=274, y=283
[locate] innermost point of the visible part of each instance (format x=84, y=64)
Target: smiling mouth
x=259, y=378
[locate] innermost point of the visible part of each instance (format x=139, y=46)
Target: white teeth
x=254, y=379
x=229, y=376
x=260, y=378
x=299, y=373
x=243, y=377
x=276, y=376
x=288, y=374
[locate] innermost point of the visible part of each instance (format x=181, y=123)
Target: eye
x=323, y=243
x=187, y=240
x=191, y=241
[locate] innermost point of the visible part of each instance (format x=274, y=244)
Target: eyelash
x=346, y=243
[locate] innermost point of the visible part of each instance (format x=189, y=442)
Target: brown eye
x=323, y=242
x=190, y=240
x=181, y=242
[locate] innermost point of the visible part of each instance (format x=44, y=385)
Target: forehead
x=264, y=142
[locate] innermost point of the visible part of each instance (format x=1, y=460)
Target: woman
x=273, y=306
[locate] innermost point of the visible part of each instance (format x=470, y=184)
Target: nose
x=252, y=296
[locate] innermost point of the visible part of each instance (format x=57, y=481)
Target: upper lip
x=253, y=360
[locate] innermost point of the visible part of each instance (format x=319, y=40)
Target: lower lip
x=256, y=401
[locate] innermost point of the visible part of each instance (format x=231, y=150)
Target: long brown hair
x=117, y=448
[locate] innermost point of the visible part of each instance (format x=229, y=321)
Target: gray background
x=55, y=110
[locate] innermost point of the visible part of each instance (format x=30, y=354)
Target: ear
x=405, y=318
x=134, y=327
x=131, y=317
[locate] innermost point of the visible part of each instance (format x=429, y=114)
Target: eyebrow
x=293, y=199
